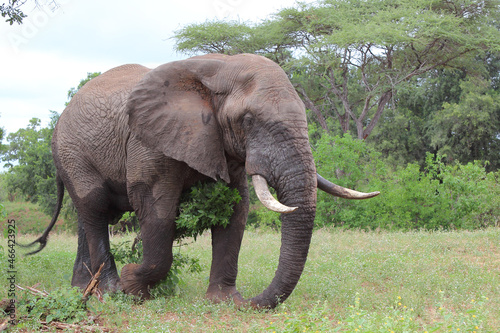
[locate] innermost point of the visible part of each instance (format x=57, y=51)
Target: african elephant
x=133, y=139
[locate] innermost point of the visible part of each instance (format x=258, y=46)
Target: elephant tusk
x=342, y=192
x=267, y=199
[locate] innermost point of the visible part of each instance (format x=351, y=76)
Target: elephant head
x=210, y=110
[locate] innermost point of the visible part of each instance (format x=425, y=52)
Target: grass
x=353, y=282
x=29, y=217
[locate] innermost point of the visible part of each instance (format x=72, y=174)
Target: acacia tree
x=357, y=53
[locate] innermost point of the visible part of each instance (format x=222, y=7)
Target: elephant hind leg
x=81, y=275
x=94, y=215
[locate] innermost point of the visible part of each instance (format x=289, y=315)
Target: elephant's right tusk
x=342, y=192
x=267, y=199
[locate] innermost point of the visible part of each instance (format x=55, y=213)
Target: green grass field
x=353, y=282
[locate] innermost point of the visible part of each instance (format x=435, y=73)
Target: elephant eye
x=248, y=119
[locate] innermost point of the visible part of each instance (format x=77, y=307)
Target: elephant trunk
x=295, y=188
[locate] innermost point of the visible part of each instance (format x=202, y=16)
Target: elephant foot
x=130, y=284
x=219, y=294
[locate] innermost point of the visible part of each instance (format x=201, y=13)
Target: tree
x=12, y=10
x=470, y=129
x=31, y=170
x=402, y=135
x=360, y=52
x=214, y=37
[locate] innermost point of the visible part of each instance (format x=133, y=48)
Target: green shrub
x=439, y=196
x=204, y=206
x=267, y=219
x=350, y=163
x=63, y=305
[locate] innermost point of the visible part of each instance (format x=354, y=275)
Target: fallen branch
x=93, y=285
x=76, y=327
x=4, y=325
x=33, y=291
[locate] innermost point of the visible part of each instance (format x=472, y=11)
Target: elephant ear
x=171, y=110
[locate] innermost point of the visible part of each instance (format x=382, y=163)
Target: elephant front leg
x=137, y=279
x=226, y=243
x=156, y=208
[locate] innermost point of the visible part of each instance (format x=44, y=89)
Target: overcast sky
x=53, y=50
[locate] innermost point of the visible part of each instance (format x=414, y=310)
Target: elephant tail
x=42, y=240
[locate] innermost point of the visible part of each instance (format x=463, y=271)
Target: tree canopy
x=348, y=58
x=31, y=170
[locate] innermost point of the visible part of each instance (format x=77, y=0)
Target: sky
x=55, y=48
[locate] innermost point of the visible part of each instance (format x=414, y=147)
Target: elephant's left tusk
x=342, y=192
x=267, y=199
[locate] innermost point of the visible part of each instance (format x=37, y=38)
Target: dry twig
x=93, y=285
x=76, y=327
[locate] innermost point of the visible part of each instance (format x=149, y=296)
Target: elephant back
x=92, y=131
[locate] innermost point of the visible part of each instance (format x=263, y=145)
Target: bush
x=267, y=219
x=204, y=206
x=350, y=163
x=62, y=305
x=439, y=196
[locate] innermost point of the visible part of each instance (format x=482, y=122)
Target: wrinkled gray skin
x=135, y=138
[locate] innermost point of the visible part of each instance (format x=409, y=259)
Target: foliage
x=358, y=52
x=469, y=130
x=30, y=167
x=439, y=196
x=204, y=206
x=64, y=304
x=350, y=163
x=3, y=212
x=127, y=251
x=12, y=12
x=403, y=135
x=266, y=219
x=213, y=37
